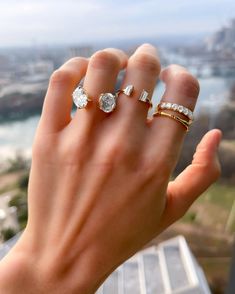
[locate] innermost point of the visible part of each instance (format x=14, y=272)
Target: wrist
x=25, y=271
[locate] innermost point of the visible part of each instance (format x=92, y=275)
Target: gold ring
x=80, y=97
x=127, y=91
x=177, y=108
x=183, y=122
x=144, y=97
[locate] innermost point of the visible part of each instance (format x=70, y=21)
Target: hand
x=99, y=185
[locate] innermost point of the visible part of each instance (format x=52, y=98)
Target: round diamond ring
x=107, y=102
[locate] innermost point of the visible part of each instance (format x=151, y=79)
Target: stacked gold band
x=184, y=122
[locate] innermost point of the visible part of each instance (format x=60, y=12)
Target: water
x=18, y=135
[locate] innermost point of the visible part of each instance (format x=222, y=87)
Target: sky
x=87, y=21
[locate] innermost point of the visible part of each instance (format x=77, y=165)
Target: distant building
x=83, y=51
x=224, y=39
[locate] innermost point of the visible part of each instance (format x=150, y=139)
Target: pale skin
x=99, y=185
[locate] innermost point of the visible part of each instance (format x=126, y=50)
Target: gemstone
x=107, y=102
x=163, y=105
x=180, y=108
x=144, y=96
x=128, y=90
x=190, y=115
x=80, y=98
x=174, y=106
x=185, y=112
x=168, y=105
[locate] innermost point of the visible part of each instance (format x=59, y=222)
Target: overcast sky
x=72, y=21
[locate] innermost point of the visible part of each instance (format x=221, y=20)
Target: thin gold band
x=176, y=118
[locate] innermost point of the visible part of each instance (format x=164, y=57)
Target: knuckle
x=104, y=60
x=61, y=76
x=147, y=170
x=154, y=169
x=187, y=83
x=146, y=62
x=212, y=169
x=113, y=151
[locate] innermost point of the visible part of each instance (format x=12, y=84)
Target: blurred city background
x=36, y=37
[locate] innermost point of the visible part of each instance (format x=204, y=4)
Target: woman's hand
x=99, y=185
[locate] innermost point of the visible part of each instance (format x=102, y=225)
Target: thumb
x=195, y=179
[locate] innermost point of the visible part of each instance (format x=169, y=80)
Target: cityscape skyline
x=53, y=22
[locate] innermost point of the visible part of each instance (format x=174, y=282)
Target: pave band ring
x=144, y=97
x=183, y=122
x=176, y=107
x=80, y=97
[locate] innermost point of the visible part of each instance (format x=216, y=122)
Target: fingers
x=195, y=179
x=57, y=106
x=102, y=72
x=142, y=72
x=166, y=133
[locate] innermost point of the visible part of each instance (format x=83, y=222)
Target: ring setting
x=144, y=97
x=177, y=108
x=80, y=97
x=107, y=102
x=127, y=91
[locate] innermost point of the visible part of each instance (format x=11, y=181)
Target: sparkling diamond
x=163, y=105
x=174, y=106
x=144, y=96
x=128, y=90
x=80, y=98
x=180, y=108
x=190, y=115
x=168, y=105
x=185, y=112
x=107, y=102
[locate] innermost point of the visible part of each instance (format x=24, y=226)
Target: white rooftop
x=169, y=268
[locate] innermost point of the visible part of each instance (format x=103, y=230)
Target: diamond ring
x=127, y=91
x=108, y=102
x=80, y=97
x=178, y=108
x=144, y=97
